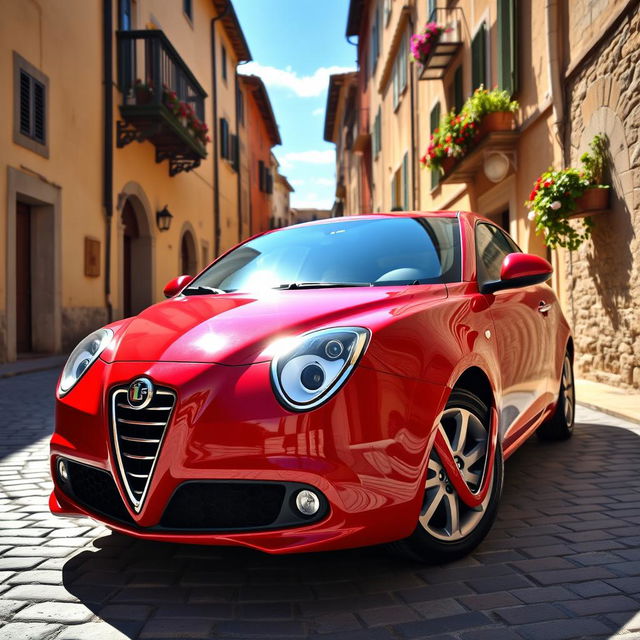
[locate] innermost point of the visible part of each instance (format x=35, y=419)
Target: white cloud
x=296, y=182
x=307, y=157
x=303, y=86
x=325, y=182
x=318, y=112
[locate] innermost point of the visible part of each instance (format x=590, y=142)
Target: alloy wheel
x=444, y=515
x=569, y=392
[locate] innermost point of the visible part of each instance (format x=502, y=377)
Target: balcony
x=445, y=50
x=162, y=101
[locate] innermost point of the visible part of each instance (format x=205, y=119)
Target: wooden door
x=23, y=278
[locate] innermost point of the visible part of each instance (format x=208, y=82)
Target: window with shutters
x=434, y=121
x=457, y=90
x=400, y=186
x=225, y=151
x=223, y=62
x=374, y=47
x=479, y=58
x=234, y=151
x=507, y=46
x=262, y=176
x=377, y=134
x=30, y=106
x=431, y=10
x=399, y=72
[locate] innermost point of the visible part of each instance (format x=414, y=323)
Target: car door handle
x=544, y=307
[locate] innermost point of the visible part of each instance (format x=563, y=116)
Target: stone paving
x=562, y=561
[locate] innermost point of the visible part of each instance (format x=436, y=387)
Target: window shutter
x=261, y=175
x=38, y=111
x=25, y=103
x=405, y=181
x=507, y=46
x=224, y=139
x=479, y=58
x=235, y=152
x=431, y=10
x=435, y=122
x=458, y=91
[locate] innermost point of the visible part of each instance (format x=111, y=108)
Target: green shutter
x=458, y=91
x=435, y=122
x=405, y=181
x=479, y=58
x=431, y=10
x=507, y=46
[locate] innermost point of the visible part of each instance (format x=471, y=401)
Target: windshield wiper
x=321, y=285
x=201, y=290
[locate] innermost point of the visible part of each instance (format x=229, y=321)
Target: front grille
x=224, y=505
x=96, y=490
x=137, y=438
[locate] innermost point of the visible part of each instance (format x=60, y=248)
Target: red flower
x=532, y=195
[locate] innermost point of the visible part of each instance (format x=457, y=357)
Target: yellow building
x=89, y=179
x=572, y=66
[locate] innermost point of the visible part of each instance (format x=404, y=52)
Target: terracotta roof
x=234, y=30
x=354, y=18
x=260, y=95
x=336, y=81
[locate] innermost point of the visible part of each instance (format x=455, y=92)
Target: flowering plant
x=451, y=139
x=553, y=200
x=186, y=112
x=421, y=44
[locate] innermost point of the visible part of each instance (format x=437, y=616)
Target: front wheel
x=560, y=425
x=448, y=528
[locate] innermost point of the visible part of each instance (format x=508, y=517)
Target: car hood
x=237, y=329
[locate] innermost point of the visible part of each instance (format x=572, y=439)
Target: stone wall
x=604, y=274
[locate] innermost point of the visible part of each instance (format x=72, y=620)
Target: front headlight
x=82, y=357
x=311, y=370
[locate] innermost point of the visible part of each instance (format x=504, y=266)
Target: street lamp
x=163, y=219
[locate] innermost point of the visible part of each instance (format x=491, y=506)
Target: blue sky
x=296, y=45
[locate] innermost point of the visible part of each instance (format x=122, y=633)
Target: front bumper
x=364, y=451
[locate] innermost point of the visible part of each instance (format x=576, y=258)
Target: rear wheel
x=560, y=425
x=447, y=528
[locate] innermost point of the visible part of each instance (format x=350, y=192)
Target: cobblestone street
x=562, y=561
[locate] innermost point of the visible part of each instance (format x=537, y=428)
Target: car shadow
x=564, y=550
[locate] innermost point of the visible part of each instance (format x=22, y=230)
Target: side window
x=492, y=245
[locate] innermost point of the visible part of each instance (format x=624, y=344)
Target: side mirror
x=519, y=270
x=176, y=285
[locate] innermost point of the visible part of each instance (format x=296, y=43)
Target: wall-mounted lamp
x=496, y=166
x=163, y=219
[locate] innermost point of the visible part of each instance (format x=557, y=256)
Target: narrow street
x=563, y=560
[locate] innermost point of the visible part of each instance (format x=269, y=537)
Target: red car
x=340, y=383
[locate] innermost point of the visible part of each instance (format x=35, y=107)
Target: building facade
x=573, y=68
x=281, y=201
x=107, y=195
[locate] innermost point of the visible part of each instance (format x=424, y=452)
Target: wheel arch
x=475, y=380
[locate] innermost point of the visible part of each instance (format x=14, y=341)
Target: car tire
x=432, y=541
x=560, y=425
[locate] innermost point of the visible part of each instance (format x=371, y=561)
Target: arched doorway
x=188, y=255
x=137, y=292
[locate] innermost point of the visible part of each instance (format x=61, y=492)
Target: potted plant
x=423, y=43
x=596, y=196
x=494, y=110
x=142, y=92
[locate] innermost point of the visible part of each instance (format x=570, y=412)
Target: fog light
x=307, y=502
x=63, y=470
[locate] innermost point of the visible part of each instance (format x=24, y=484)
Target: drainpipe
x=214, y=99
x=552, y=12
x=107, y=169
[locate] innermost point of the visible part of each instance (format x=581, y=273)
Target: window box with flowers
x=433, y=49
x=485, y=123
x=559, y=196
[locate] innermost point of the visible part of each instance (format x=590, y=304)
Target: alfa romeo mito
x=340, y=383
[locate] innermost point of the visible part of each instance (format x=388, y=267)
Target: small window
x=240, y=106
x=125, y=13
x=377, y=133
x=457, y=90
x=479, y=58
x=235, y=152
x=431, y=10
x=30, y=106
x=374, y=46
x=492, y=246
x=262, y=176
x=224, y=63
x=187, y=8
x=400, y=72
x=225, y=151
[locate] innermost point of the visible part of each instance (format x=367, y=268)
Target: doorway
x=24, y=306
x=188, y=257
x=130, y=235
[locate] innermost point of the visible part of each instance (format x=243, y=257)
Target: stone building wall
x=603, y=96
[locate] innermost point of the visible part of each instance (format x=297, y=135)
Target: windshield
x=349, y=252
